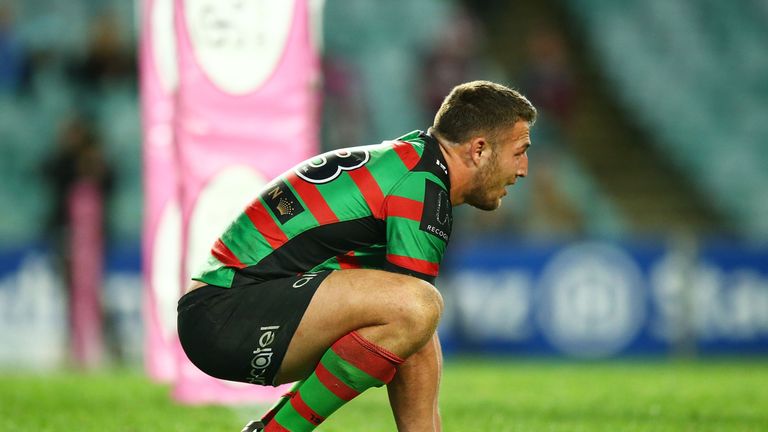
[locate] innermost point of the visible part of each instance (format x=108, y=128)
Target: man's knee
x=420, y=307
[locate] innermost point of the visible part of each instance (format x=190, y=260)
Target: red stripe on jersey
x=222, y=253
x=407, y=153
x=348, y=261
x=263, y=222
x=334, y=385
x=305, y=411
x=404, y=207
x=365, y=356
x=313, y=200
x=415, y=264
x=370, y=190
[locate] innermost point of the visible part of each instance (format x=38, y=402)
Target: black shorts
x=242, y=334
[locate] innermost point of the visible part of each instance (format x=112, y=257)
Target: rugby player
x=327, y=278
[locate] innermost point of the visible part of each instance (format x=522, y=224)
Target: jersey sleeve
x=418, y=220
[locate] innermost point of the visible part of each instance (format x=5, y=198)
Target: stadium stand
x=709, y=133
x=707, y=61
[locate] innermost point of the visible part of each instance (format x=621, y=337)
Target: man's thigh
x=347, y=300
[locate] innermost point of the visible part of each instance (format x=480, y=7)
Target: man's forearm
x=413, y=393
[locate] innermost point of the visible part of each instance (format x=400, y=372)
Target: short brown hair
x=480, y=107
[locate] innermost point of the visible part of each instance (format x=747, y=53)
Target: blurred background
x=642, y=227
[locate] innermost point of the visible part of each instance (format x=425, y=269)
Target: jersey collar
x=434, y=158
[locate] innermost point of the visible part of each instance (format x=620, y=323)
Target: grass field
x=477, y=395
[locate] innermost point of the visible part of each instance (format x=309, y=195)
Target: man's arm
x=413, y=393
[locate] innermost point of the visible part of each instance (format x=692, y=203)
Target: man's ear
x=478, y=149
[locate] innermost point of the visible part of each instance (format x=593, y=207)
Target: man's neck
x=457, y=171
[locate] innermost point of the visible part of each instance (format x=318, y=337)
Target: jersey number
x=328, y=166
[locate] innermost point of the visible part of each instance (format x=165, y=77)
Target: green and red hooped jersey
x=384, y=206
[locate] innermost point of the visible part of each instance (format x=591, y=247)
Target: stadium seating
x=694, y=74
x=28, y=128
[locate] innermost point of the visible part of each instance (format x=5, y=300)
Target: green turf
x=477, y=395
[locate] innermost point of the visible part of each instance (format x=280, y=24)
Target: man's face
x=507, y=161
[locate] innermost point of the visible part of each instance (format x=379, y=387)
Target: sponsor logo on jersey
x=442, y=167
x=436, y=218
x=262, y=356
x=282, y=201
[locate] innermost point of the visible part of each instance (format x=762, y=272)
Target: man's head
x=488, y=127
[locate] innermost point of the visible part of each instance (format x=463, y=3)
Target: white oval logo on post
x=164, y=45
x=222, y=199
x=239, y=43
x=591, y=301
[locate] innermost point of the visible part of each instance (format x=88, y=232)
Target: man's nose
x=522, y=170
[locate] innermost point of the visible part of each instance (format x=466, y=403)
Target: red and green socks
x=351, y=366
